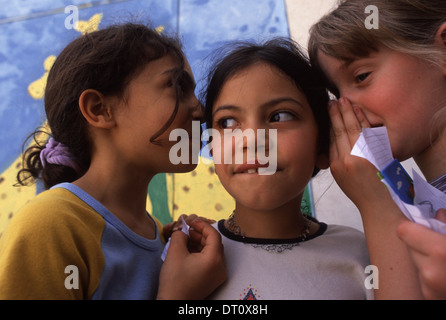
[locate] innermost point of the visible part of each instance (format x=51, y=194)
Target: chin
x=259, y=203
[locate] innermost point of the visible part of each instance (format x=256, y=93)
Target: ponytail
x=50, y=161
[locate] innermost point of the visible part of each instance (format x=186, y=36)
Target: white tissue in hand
x=184, y=229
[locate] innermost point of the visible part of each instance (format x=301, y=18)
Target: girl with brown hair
x=111, y=100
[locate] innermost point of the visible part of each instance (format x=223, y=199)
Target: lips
x=249, y=168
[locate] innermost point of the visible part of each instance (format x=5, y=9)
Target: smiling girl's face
x=262, y=97
x=150, y=102
x=395, y=90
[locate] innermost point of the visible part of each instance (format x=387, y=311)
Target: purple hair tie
x=58, y=153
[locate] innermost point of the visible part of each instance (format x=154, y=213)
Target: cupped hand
x=356, y=176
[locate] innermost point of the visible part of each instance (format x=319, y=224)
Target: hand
x=356, y=176
x=428, y=251
x=380, y=215
x=169, y=228
x=191, y=276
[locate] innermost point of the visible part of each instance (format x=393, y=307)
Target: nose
x=350, y=96
x=256, y=137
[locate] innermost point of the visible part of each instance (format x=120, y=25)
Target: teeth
x=250, y=171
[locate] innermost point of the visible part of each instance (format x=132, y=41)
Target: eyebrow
x=171, y=70
x=266, y=105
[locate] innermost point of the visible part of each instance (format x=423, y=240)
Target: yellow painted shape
x=37, y=88
x=199, y=192
x=160, y=29
x=89, y=26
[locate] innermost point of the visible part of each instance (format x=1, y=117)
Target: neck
x=432, y=161
x=285, y=222
x=124, y=193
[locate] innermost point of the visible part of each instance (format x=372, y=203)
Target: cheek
x=217, y=150
x=298, y=149
x=224, y=148
x=222, y=172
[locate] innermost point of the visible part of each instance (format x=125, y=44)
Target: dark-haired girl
x=272, y=250
x=111, y=100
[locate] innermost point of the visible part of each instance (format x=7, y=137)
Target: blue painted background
x=32, y=30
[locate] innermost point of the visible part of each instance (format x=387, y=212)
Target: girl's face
x=394, y=90
x=149, y=103
x=262, y=97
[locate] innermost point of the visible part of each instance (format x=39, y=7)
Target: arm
x=187, y=275
x=380, y=215
x=37, y=247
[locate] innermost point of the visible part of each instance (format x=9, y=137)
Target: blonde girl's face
x=150, y=101
x=395, y=90
x=262, y=97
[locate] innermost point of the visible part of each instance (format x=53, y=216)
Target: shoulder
x=55, y=211
x=344, y=239
x=341, y=231
x=54, y=230
x=343, y=235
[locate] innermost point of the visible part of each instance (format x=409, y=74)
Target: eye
x=182, y=82
x=282, y=116
x=186, y=83
x=362, y=77
x=226, y=123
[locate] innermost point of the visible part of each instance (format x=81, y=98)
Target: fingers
x=347, y=124
x=427, y=249
x=360, y=116
x=441, y=215
x=340, y=139
x=418, y=237
x=178, y=245
x=196, y=240
x=210, y=237
x=347, y=120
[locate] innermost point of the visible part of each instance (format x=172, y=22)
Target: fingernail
x=332, y=104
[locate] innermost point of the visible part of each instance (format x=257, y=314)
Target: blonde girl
x=393, y=76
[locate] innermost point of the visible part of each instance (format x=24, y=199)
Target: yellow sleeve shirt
x=65, y=245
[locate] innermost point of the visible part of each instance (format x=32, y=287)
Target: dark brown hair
x=106, y=61
x=286, y=56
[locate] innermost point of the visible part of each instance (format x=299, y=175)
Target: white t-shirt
x=328, y=265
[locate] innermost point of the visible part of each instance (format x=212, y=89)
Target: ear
x=440, y=37
x=95, y=110
x=322, y=161
x=440, y=40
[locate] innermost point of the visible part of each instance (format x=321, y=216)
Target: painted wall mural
x=33, y=32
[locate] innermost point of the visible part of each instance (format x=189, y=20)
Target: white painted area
x=330, y=203
x=302, y=14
